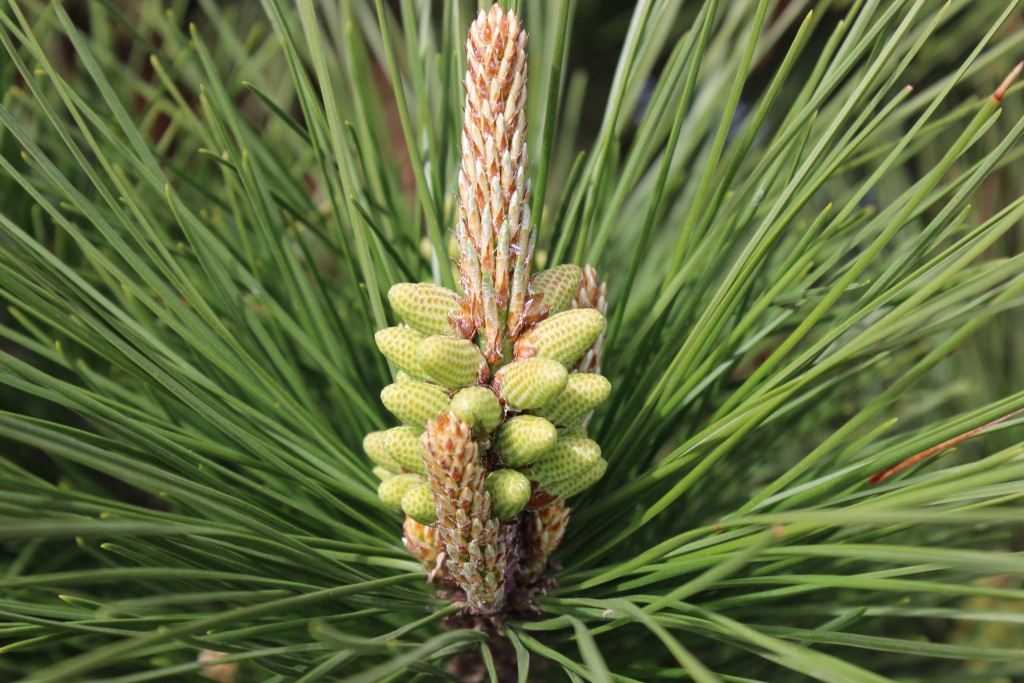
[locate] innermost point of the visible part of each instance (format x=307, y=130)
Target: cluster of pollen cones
x=494, y=386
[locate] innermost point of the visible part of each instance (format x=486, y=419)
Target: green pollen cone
x=570, y=487
x=424, y=306
x=382, y=473
x=510, y=492
x=524, y=439
x=558, y=285
x=477, y=406
x=531, y=383
x=414, y=403
x=399, y=344
x=403, y=445
x=583, y=392
x=579, y=431
x=418, y=503
x=392, y=489
x=373, y=445
x=570, y=458
x=450, y=361
x=563, y=337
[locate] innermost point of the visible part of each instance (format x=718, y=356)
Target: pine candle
x=494, y=385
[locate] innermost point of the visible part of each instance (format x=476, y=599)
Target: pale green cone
x=558, y=285
x=450, y=361
x=392, y=489
x=563, y=337
x=583, y=392
x=578, y=431
x=477, y=406
x=403, y=445
x=524, y=439
x=424, y=306
x=399, y=345
x=578, y=484
x=414, y=402
x=510, y=492
x=382, y=473
x=568, y=459
x=418, y=503
x=405, y=378
x=373, y=445
x=531, y=383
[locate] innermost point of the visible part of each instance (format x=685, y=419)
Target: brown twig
x=879, y=477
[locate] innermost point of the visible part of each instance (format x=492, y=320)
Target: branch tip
x=879, y=477
x=1007, y=82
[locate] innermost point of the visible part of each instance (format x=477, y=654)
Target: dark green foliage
x=813, y=273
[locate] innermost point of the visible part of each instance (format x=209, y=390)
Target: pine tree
x=790, y=232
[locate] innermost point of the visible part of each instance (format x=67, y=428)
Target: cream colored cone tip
x=404, y=446
x=583, y=392
x=524, y=439
x=510, y=492
x=531, y=383
x=477, y=406
x=563, y=337
x=414, y=403
x=418, y=503
x=399, y=345
x=391, y=490
x=558, y=285
x=423, y=305
x=570, y=457
x=423, y=542
x=450, y=361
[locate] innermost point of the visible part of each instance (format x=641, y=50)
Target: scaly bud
x=392, y=489
x=544, y=531
x=399, y=345
x=450, y=361
x=403, y=445
x=510, y=492
x=476, y=544
x=477, y=406
x=414, y=403
x=493, y=229
x=583, y=392
x=425, y=545
x=558, y=285
x=524, y=439
x=531, y=383
x=563, y=337
x=423, y=305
